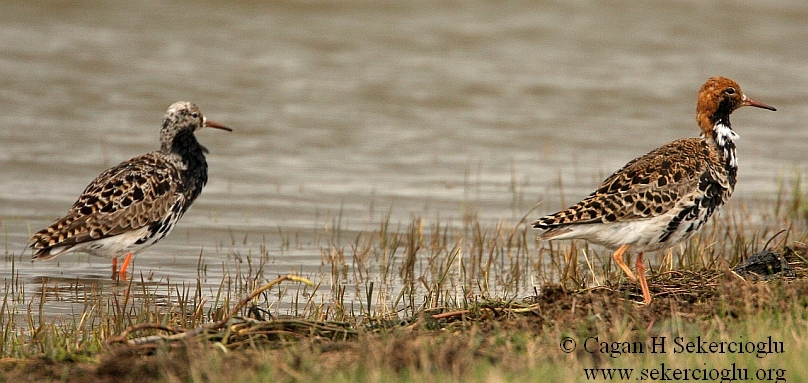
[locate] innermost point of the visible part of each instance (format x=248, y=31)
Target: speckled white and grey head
x=183, y=118
x=131, y=206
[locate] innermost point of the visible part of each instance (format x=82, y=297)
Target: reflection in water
x=89, y=289
x=351, y=114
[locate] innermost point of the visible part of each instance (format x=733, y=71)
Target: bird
x=135, y=204
x=665, y=196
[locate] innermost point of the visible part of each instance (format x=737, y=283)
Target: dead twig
x=183, y=333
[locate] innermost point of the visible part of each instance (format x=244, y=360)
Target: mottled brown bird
x=664, y=197
x=133, y=205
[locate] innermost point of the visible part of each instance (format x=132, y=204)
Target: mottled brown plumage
x=136, y=203
x=127, y=197
x=645, y=187
x=665, y=196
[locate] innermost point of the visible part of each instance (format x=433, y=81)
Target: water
x=350, y=110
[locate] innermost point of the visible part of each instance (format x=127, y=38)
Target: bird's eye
x=196, y=115
x=730, y=90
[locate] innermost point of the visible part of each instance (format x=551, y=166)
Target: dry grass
x=427, y=301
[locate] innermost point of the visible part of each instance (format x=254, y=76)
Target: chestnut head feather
x=718, y=98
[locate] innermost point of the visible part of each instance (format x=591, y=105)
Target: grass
x=435, y=301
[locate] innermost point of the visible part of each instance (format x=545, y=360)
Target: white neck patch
x=724, y=137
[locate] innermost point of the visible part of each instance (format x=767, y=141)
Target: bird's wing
x=129, y=196
x=647, y=186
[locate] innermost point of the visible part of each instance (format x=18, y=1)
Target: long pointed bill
x=213, y=124
x=750, y=102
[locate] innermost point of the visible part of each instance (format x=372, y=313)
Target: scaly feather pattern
x=135, y=204
x=665, y=196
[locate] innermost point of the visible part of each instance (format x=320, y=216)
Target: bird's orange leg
x=618, y=258
x=114, y=268
x=125, y=265
x=646, y=294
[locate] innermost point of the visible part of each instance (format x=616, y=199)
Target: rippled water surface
x=347, y=111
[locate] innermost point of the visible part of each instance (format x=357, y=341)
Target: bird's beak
x=213, y=124
x=746, y=101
